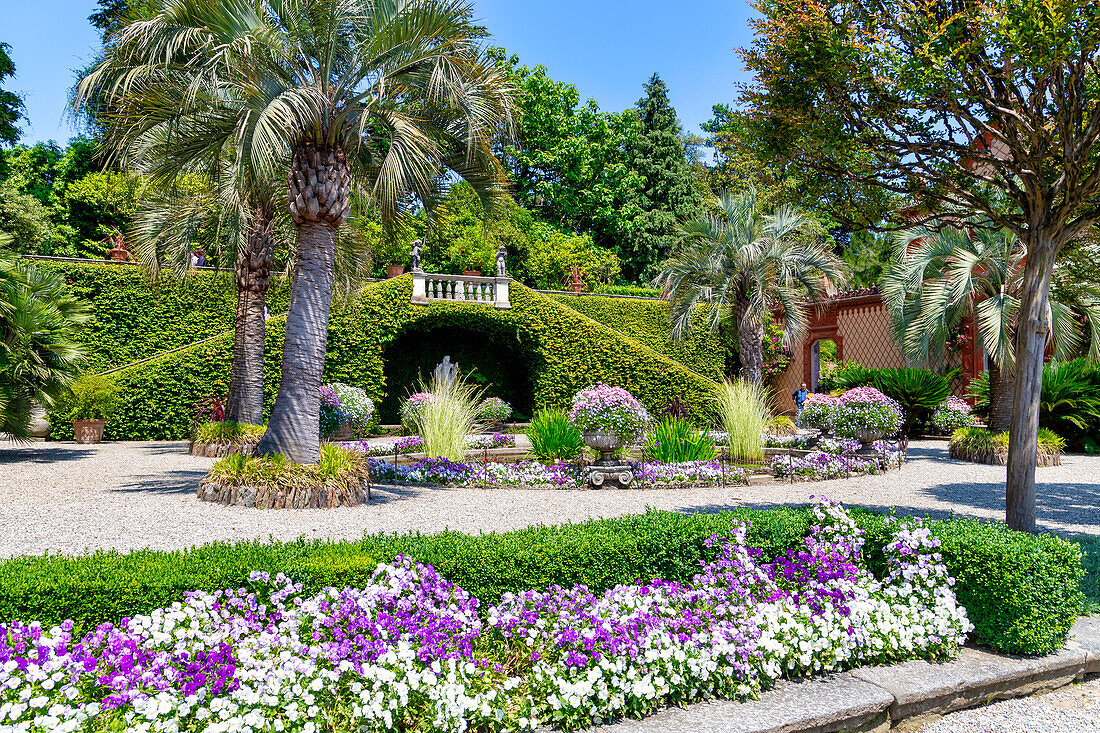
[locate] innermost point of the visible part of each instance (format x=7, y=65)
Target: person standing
x=799, y=397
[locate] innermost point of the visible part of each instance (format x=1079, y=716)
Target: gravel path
x=1073, y=709
x=64, y=497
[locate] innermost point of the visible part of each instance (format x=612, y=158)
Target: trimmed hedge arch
x=158, y=397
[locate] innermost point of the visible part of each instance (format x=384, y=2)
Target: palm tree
x=378, y=95
x=944, y=275
x=39, y=354
x=744, y=261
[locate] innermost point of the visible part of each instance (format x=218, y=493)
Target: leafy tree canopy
x=12, y=108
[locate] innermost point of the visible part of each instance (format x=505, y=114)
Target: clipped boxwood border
x=571, y=351
x=1022, y=591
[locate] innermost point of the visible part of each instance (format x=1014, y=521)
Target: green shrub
x=977, y=444
x=276, y=470
x=1022, y=591
x=90, y=398
x=553, y=437
x=568, y=352
x=848, y=375
x=634, y=290
x=781, y=425
x=673, y=440
x=226, y=431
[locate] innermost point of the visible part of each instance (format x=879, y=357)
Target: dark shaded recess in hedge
x=135, y=317
x=646, y=321
x=570, y=352
x=1022, y=591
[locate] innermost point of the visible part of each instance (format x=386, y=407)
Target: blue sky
x=607, y=48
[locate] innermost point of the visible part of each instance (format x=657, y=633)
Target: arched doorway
x=824, y=357
x=494, y=357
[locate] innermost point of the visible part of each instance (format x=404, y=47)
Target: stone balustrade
x=429, y=287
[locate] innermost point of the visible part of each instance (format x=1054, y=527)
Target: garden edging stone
x=872, y=699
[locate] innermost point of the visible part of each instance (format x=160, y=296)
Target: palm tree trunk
x=295, y=426
x=1002, y=388
x=318, y=191
x=750, y=339
x=246, y=380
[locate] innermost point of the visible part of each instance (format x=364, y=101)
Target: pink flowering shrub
x=819, y=411
x=952, y=414
x=602, y=407
x=865, y=408
x=410, y=408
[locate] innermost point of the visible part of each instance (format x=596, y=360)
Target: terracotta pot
x=576, y=287
x=393, y=271
x=472, y=273
x=88, y=431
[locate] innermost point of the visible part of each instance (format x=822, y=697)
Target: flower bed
x=415, y=444
x=557, y=475
x=835, y=459
x=981, y=445
x=410, y=650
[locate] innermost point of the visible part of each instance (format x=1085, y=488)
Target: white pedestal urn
x=607, y=472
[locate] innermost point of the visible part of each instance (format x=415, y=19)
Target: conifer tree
x=667, y=194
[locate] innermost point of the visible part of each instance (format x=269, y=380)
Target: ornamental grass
x=743, y=413
x=448, y=418
x=981, y=445
x=337, y=465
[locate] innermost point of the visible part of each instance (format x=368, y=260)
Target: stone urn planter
x=88, y=431
x=607, y=472
x=393, y=271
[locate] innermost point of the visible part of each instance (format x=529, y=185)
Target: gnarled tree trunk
x=1032, y=332
x=750, y=342
x=253, y=270
x=319, y=196
x=1002, y=390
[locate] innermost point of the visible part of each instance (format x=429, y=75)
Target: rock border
x=1001, y=459
x=875, y=699
x=220, y=450
x=351, y=490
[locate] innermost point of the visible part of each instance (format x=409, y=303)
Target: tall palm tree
x=231, y=229
x=39, y=353
x=944, y=275
x=378, y=95
x=744, y=262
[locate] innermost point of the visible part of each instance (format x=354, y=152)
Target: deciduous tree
x=947, y=104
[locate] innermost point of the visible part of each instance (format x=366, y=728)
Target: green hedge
x=1022, y=591
x=646, y=321
x=134, y=317
x=570, y=351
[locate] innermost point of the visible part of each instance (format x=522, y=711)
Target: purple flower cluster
x=819, y=466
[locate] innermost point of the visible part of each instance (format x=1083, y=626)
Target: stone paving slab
x=871, y=699
x=975, y=677
x=1086, y=637
x=821, y=705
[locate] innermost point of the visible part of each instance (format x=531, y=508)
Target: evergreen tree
x=11, y=104
x=667, y=194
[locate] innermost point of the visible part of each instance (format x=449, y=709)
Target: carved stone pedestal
x=610, y=474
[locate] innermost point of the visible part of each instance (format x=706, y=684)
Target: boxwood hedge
x=134, y=317
x=571, y=351
x=646, y=321
x=1022, y=591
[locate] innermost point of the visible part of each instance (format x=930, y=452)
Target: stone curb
x=874, y=699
